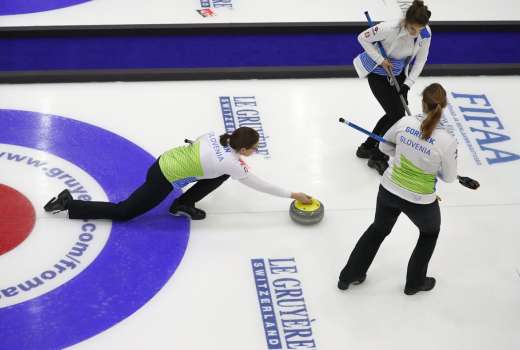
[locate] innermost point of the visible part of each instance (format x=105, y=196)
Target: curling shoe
x=365, y=151
x=187, y=210
x=343, y=285
x=429, y=283
x=380, y=165
x=60, y=203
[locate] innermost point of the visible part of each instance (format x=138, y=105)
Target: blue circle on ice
x=17, y=7
x=138, y=259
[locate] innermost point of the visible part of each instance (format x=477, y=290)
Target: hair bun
x=418, y=13
x=224, y=139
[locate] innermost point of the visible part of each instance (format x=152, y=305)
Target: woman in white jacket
x=422, y=152
x=406, y=43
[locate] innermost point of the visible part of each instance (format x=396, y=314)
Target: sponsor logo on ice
x=238, y=111
x=472, y=119
x=285, y=317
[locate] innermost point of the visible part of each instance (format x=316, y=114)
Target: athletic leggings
x=426, y=217
x=154, y=190
x=389, y=99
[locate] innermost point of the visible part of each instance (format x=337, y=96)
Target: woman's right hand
x=301, y=197
x=387, y=65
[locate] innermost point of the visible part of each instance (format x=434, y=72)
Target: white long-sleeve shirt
x=260, y=185
x=416, y=164
x=400, y=46
x=206, y=158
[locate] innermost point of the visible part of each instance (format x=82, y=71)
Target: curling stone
x=307, y=214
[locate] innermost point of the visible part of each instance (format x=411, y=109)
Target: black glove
x=468, y=182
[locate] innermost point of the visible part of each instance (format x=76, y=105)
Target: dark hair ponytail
x=418, y=13
x=434, y=100
x=224, y=139
x=243, y=137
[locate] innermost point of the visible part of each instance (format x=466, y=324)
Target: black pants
x=155, y=189
x=426, y=217
x=389, y=99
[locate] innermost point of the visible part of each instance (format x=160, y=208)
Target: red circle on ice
x=17, y=218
